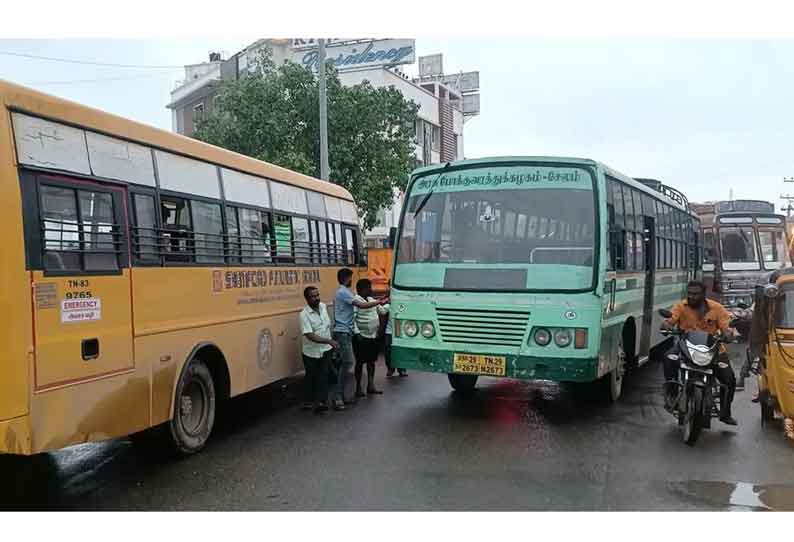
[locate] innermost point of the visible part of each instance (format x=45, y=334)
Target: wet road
x=511, y=446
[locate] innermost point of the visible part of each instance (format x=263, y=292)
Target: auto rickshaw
x=771, y=349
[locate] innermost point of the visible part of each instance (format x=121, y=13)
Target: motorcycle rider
x=698, y=313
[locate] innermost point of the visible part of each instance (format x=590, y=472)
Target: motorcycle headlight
x=700, y=354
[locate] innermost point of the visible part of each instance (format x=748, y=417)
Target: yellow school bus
x=145, y=276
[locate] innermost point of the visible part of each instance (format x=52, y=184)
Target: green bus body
x=608, y=280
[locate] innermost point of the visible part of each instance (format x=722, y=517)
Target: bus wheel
x=612, y=383
x=194, y=408
x=462, y=383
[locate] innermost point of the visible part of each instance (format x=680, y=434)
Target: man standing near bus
x=345, y=304
x=318, y=349
x=367, y=347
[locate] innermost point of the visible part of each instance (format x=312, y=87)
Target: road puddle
x=738, y=495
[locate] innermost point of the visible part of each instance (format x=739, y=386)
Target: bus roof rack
x=667, y=190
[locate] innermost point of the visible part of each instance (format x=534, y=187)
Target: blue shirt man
x=344, y=315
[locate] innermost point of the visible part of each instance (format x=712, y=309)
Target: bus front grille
x=496, y=327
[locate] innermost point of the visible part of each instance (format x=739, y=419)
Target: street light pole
x=323, y=111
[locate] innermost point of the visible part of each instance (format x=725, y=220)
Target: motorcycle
x=697, y=399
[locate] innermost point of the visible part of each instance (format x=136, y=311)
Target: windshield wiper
x=422, y=203
x=430, y=193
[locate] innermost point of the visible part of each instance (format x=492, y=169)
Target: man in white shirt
x=366, y=325
x=318, y=349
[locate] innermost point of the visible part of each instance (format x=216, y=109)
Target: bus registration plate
x=482, y=365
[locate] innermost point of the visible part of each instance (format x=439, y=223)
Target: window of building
x=198, y=111
x=436, y=138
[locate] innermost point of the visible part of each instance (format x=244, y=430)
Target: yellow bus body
x=153, y=319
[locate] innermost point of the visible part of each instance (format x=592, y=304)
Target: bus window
x=300, y=231
x=351, y=245
x=532, y=231
x=233, y=235
x=99, y=232
x=207, y=231
x=617, y=196
x=510, y=224
x=629, y=207
x=176, y=235
x=521, y=232
x=339, y=244
x=146, y=238
x=629, y=250
x=543, y=227
x=708, y=250
x=322, y=229
x=255, y=235
x=737, y=248
x=773, y=248
x=639, y=222
x=61, y=231
x=282, y=230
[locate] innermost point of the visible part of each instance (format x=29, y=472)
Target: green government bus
x=541, y=268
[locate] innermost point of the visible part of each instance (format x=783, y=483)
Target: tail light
x=580, y=339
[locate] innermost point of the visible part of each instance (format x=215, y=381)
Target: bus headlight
x=562, y=337
x=542, y=336
x=410, y=328
x=428, y=330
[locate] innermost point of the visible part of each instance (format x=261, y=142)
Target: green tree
x=273, y=115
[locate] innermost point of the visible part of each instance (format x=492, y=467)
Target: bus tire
x=462, y=383
x=194, y=408
x=612, y=383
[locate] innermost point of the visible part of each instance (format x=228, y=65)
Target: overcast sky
x=702, y=115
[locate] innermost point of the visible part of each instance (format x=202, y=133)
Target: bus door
x=81, y=278
x=649, y=240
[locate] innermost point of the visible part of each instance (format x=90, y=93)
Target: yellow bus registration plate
x=475, y=364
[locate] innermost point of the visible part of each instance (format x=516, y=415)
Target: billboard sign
x=367, y=54
x=464, y=82
x=431, y=65
x=471, y=104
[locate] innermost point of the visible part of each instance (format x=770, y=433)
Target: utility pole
x=323, y=111
x=788, y=199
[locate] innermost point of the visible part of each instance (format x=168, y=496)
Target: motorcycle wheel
x=694, y=407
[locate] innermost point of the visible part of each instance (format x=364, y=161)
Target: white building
x=445, y=102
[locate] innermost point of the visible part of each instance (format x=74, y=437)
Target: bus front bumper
x=558, y=369
x=15, y=436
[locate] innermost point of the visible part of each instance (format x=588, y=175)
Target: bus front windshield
x=532, y=235
x=737, y=248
